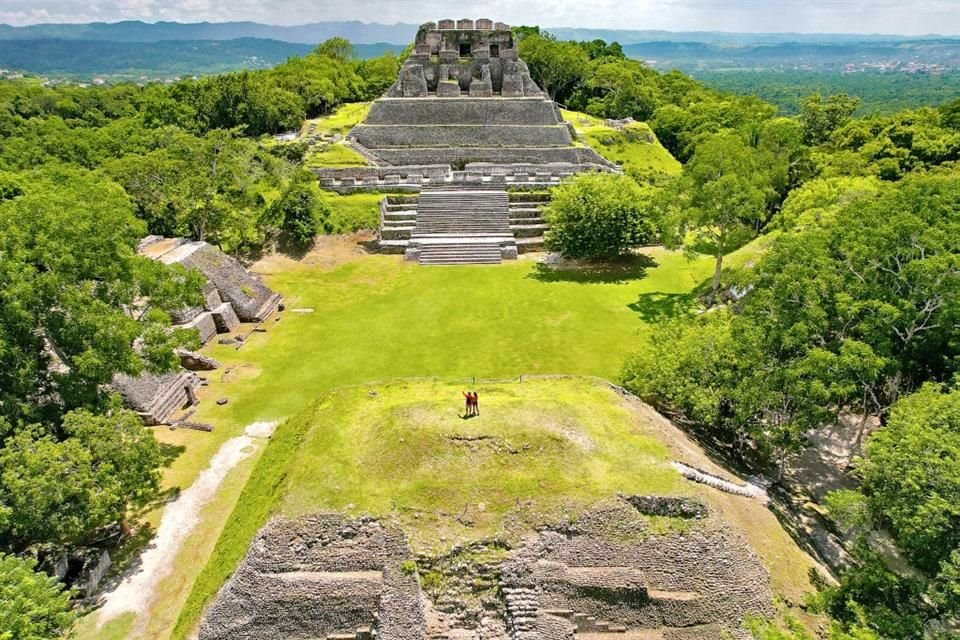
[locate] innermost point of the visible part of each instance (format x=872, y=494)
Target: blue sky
x=830, y=16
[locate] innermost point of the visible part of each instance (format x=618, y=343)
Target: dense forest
x=852, y=306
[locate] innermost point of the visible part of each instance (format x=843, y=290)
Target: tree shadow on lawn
x=657, y=306
x=618, y=271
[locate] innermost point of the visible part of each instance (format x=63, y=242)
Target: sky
x=907, y=17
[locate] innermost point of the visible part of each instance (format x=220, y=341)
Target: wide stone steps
x=460, y=254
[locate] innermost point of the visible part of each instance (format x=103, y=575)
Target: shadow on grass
x=656, y=306
x=170, y=452
x=616, y=271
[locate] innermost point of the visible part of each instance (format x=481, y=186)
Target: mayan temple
x=464, y=127
x=464, y=96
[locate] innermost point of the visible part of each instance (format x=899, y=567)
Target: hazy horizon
x=862, y=17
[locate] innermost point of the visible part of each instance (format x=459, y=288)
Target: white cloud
x=858, y=16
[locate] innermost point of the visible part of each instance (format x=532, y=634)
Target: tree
x=299, y=211
x=69, y=271
x=820, y=119
x=33, y=606
x=111, y=463
x=599, y=216
x=718, y=202
x=556, y=66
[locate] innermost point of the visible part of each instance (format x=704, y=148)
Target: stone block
x=448, y=56
x=327, y=182
x=448, y=89
x=508, y=252
x=204, y=325
x=465, y=23
x=225, y=318
x=446, y=24
x=422, y=49
x=413, y=84
x=193, y=361
x=484, y=24
x=211, y=297
x=347, y=181
x=391, y=179
x=501, y=26
x=480, y=89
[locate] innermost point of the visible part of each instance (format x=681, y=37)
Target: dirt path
x=134, y=592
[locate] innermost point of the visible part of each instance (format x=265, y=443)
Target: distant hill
x=400, y=33
x=913, y=56
x=137, y=31
x=87, y=59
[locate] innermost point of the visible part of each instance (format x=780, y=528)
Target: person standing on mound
x=469, y=403
x=476, y=404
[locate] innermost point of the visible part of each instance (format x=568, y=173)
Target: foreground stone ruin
x=326, y=576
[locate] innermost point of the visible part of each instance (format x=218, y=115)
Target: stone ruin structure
x=463, y=121
x=231, y=295
x=328, y=577
x=321, y=576
x=462, y=97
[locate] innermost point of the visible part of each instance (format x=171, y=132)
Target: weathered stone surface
x=225, y=318
x=317, y=576
x=205, y=326
x=193, y=361
x=607, y=566
x=157, y=397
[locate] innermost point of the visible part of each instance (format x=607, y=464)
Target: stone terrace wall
x=460, y=135
x=608, y=566
x=497, y=155
x=413, y=177
x=316, y=576
x=517, y=111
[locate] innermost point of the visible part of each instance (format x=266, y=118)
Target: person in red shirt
x=476, y=404
x=469, y=403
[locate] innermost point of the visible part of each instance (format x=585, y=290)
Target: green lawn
x=354, y=211
x=380, y=318
x=335, y=156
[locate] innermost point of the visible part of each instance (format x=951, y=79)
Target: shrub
x=599, y=216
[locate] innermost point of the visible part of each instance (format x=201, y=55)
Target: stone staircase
x=464, y=225
x=526, y=220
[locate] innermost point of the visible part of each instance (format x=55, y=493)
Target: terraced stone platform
x=435, y=130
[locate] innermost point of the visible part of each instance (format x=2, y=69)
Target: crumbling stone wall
x=316, y=576
x=608, y=565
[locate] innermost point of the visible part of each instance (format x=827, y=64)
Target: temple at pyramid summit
x=465, y=129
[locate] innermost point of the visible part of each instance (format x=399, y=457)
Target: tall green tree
x=718, y=202
x=112, y=464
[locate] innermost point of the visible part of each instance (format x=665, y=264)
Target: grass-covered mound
x=335, y=154
x=634, y=147
x=542, y=449
x=405, y=450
